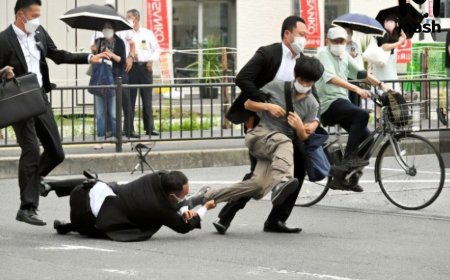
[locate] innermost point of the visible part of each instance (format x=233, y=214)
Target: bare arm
x=273, y=109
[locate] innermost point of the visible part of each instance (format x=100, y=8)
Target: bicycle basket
x=405, y=116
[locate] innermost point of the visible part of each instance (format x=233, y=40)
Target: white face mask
x=299, y=44
x=337, y=49
x=31, y=25
x=131, y=22
x=108, y=33
x=301, y=88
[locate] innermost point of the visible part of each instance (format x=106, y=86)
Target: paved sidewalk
x=164, y=155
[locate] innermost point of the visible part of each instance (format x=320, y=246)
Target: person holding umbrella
x=25, y=45
x=105, y=103
x=392, y=40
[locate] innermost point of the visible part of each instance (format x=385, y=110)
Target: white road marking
x=361, y=181
x=121, y=272
x=65, y=247
x=302, y=273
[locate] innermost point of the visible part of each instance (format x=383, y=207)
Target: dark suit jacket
x=119, y=49
x=259, y=70
x=11, y=54
x=139, y=210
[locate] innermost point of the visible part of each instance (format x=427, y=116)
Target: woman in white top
x=393, y=39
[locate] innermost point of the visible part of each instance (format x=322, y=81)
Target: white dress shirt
x=286, y=70
x=97, y=196
x=147, y=47
x=100, y=191
x=30, y=51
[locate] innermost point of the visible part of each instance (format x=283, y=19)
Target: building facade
x=241, y=24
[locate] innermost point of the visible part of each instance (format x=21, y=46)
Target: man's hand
x=384, y=87
x=311, y=127
x=98, y=57
x=275, y=110
x=295, y=121
x=129, y=64
x=7, y=72
x=249, y=123
x=363, y=93
x=210, y=204
x=189, y=215
x=149, y=66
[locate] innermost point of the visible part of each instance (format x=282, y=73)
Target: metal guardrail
x=194, y=111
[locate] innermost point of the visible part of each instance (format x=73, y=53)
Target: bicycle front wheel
x=311, y=193
x=414, y=178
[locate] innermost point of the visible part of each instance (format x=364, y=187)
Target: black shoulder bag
x=20, y=99
x=316, y=162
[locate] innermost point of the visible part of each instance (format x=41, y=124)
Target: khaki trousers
x=274, y=152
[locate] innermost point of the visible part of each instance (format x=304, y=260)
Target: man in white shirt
x=147, y=53
x=130, y=212
x=25, y=45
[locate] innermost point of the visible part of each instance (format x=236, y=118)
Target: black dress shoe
x=279, y=227
x=29, y=216
x=220, y=226
x=131, y=135
x=154, y=133
x=282, y=190
x=62, y=227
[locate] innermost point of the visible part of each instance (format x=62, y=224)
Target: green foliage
x=211, y=64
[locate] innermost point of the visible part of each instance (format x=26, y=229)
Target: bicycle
x=403, y=164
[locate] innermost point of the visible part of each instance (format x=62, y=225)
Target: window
x=200, y=24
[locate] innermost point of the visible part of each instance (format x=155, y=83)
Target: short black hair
x=290, y=23
x=21, y=4
x=173, y=181
x=308, y=68
x=135, y=13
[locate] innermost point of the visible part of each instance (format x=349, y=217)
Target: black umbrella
x=408, y=21
x=92, y=17
x=360, y=23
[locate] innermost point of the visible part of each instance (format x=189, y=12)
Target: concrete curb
x=125, y=162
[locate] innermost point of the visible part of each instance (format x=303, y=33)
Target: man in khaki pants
x=270, y=142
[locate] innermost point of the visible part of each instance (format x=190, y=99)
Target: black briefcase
x=20, y=99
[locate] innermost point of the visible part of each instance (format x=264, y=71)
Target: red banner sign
x=158, y=22
x=404, y=53
x=309, y=11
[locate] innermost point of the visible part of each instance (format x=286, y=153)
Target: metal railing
x=194, y=111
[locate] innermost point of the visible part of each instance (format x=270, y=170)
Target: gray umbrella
x=93, y=17
x=360, y=23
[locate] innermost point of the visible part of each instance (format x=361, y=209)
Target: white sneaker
x=98, y=146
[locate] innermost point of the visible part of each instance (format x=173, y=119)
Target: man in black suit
x=270, y=62
x=24, y=46
x=131, y=212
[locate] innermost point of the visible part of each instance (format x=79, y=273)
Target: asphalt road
x=346, y=236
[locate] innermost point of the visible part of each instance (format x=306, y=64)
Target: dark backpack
x=398, y=110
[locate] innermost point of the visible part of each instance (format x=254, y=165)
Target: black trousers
x=350, y=117
x=278, y=213
x=32, y=164
x=139, y=75
x=126, y=107
x=82, y=219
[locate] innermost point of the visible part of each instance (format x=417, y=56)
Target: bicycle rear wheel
x=422, y=182
x=311, y=193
